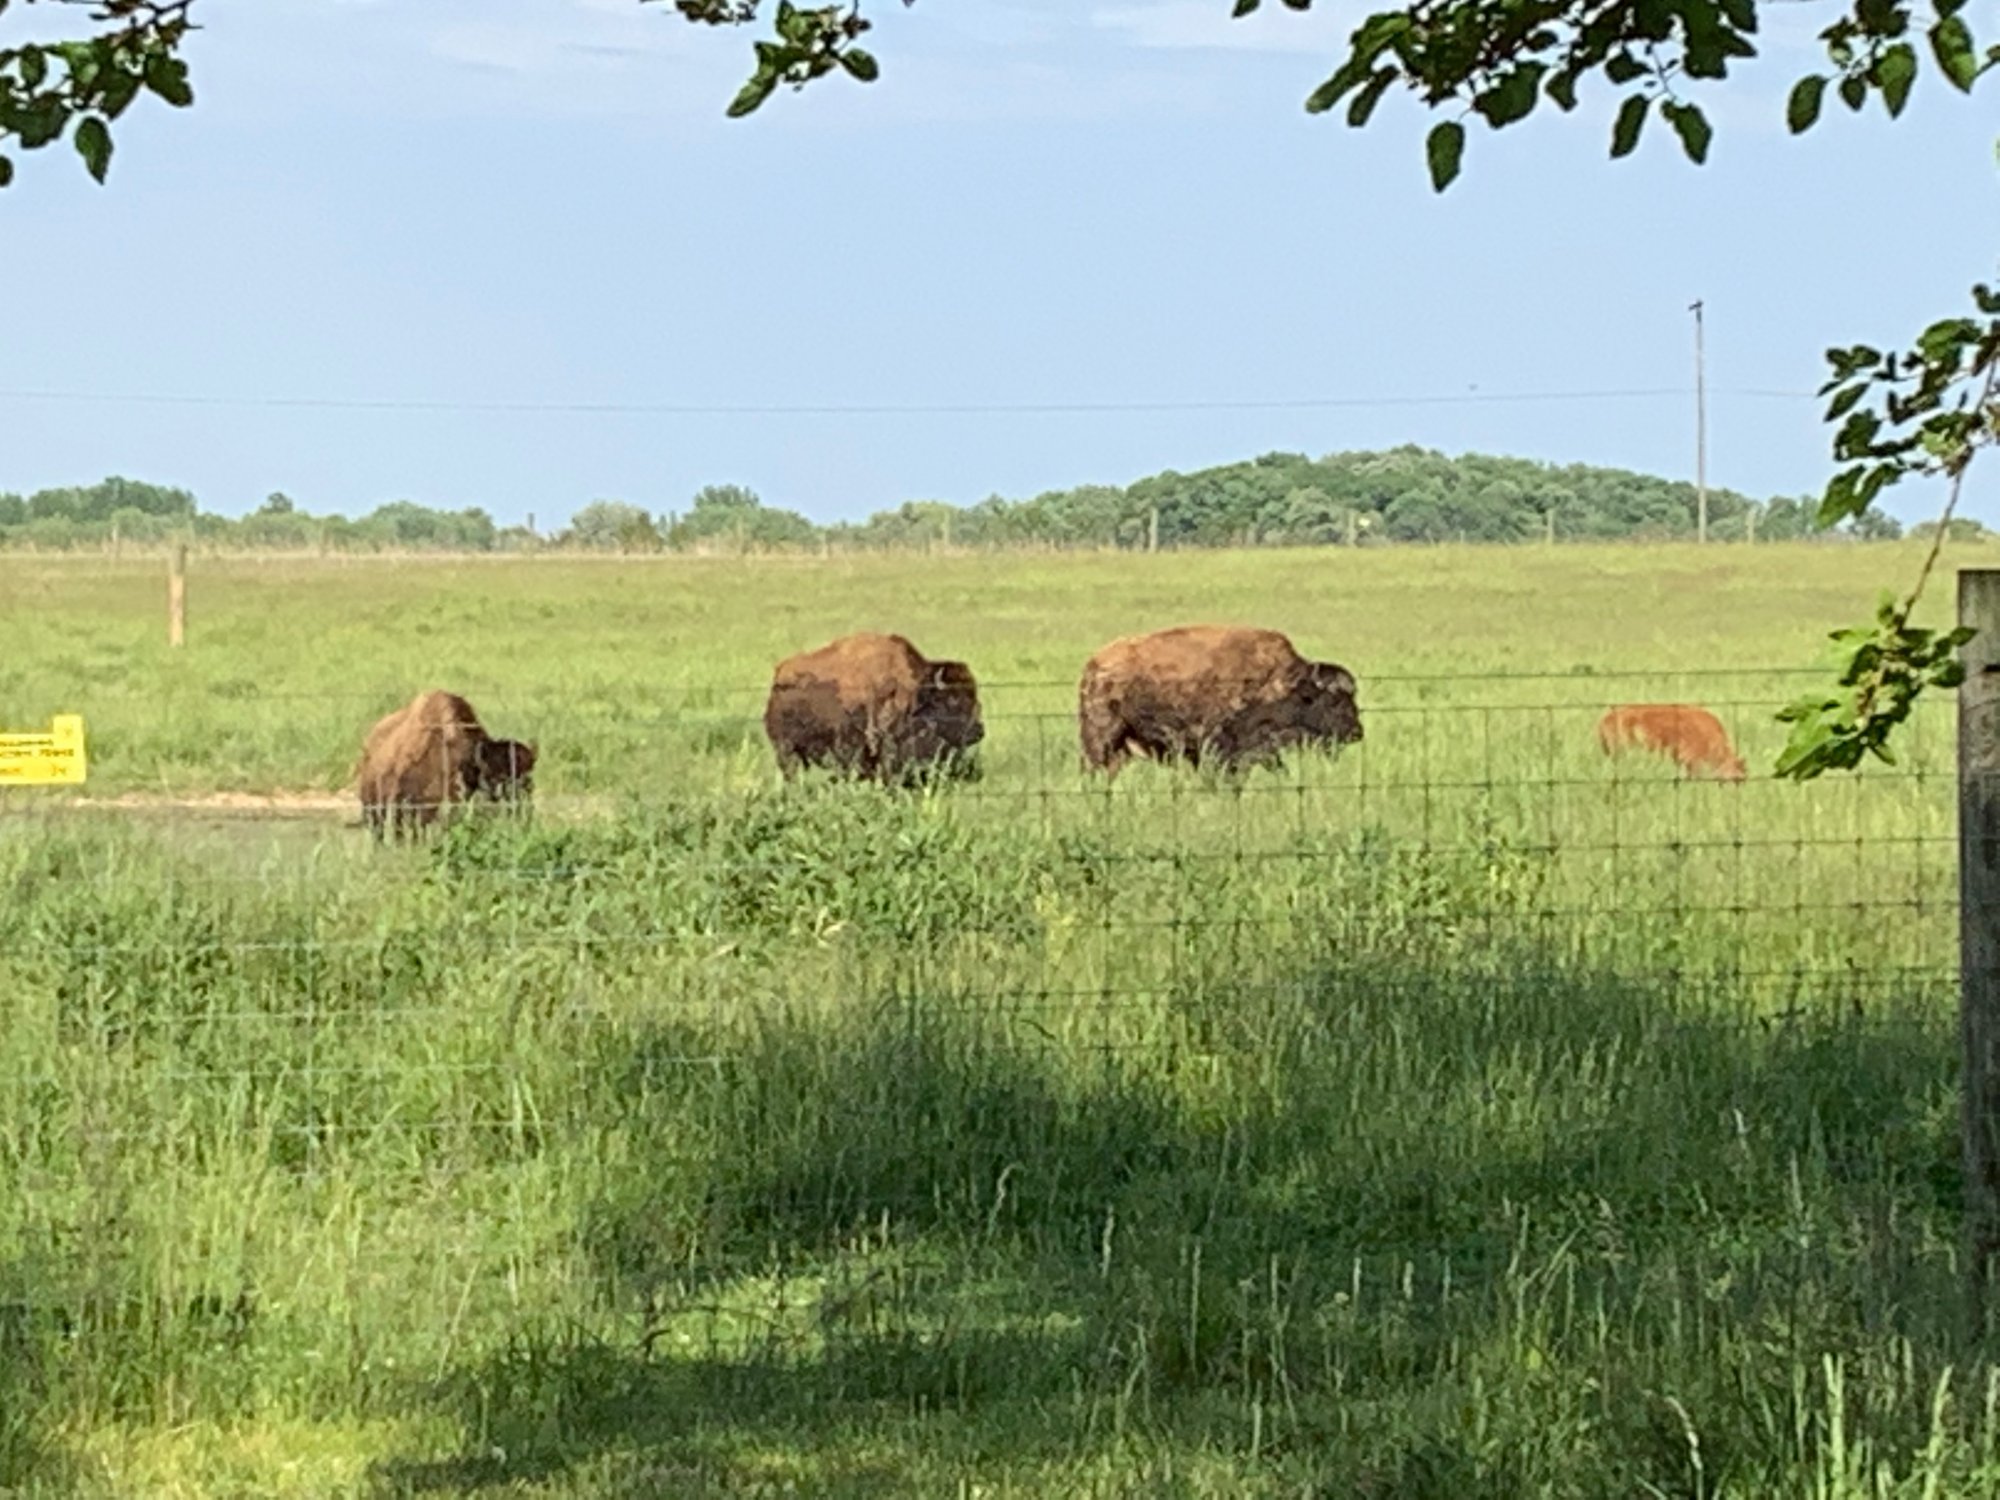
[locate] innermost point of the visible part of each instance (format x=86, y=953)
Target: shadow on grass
x=29, y=1462
x=1370, y=1231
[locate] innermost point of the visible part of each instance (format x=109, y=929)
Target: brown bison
x=1230, y=695
x=1693, y=737
x=433, y=753
x=874, y=706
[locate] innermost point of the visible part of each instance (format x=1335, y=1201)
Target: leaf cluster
x=77, y=88
x=807, y=42
x=1498, y=59
x=1884, y=668
x=1922, y=411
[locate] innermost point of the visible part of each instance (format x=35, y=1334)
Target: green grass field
x=1462, y=1116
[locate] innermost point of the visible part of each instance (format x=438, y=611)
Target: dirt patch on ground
x=229, y=804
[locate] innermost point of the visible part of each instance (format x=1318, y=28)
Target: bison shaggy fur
x=431, y=754
x=873, y=706
x=1692, y=737
x=1226, y=695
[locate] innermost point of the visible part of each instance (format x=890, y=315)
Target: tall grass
x=1461, y=1116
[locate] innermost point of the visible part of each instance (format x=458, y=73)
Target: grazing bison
x=1693, y=737
x=1229, y=695
x=433, y=753
x=874, y=706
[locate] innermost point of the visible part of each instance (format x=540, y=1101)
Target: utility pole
x=1700, y=430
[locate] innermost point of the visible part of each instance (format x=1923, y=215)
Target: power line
x=854, y=409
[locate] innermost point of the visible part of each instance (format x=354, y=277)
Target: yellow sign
x=52, y=759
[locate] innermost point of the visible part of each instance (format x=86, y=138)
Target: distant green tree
x=638, y=533
x=1956, y=529
x=131, y=524
x=731, y=517
x=1309, y=514
x=1878, y=526
x=600, y=524
x=726, y=497
x=403, y=523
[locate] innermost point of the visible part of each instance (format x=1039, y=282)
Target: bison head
x=948, y=706
x=505, y=769
x=1327, y=708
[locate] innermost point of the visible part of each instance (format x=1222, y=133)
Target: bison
x=1228, y=695
x=873, y=706
x=1693, y=737
x=433, y=753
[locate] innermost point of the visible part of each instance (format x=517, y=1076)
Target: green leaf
x=861, y=64
x=1444, y=148
x=1512, y=97
x=1845, y=402
x=1802, y=752
x=1623, y=67
x=1941, y=342
x=1951, y=43
x=752, y=94
x=1370, y=95
x=1895, y=71
x=1853, y=91
x=118, y=94
x=6, y=171
x=93, y=144
x=1349, y=75
x=40, y=123
x=1838, y=503
x=1625, y=130
x=1242, y=9
x=1562, y=89
x=34, y=66
x=168, y=77
x=1692, y=126
x=1802, y=109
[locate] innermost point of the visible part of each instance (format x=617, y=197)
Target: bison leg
x=1104, y=739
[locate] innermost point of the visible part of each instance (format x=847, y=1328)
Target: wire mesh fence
x=1227, y=1078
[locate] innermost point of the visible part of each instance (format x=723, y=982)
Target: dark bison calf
x=433, y=753
x=1210, y=693
x=873, y=706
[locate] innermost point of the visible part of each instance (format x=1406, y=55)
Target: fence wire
x=726, y=1065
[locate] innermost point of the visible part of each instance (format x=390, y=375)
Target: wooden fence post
x=1979, y=932
x=177, y=596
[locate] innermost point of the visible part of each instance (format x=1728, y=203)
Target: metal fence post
x=1979, y=931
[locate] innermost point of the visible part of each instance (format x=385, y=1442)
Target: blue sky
x=384, y=219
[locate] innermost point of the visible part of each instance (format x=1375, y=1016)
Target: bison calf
x=1693, y=737
x=1234, y=696
x=873, y=706
x=433, y=753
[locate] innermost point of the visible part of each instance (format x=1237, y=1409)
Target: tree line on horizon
x=1407, y=495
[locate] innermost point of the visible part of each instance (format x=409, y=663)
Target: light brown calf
x=1692, y=736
